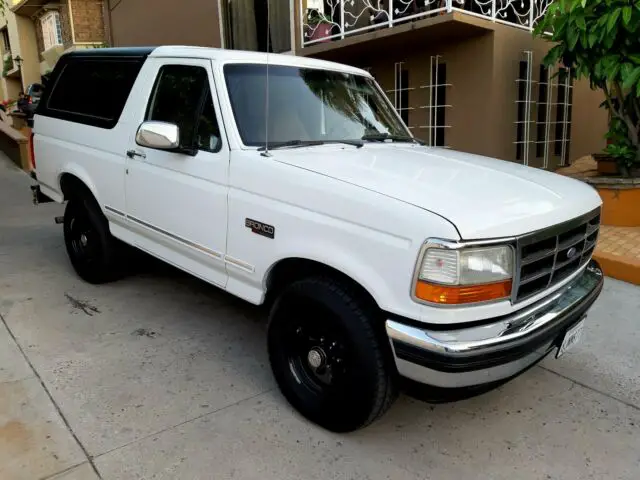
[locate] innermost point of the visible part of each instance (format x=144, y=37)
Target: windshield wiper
x=308, y=143
x=380, y=137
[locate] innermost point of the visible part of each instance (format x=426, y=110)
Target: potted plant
x=619, y=155
x=318, y=27
x=600, y=40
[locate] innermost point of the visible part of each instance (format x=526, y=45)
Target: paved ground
x=161, y=376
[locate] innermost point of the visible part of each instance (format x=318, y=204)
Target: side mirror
x=160, y=135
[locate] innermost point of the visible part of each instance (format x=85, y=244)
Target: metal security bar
x=402, y=108
x=436, y=102
x=524, y=121
x=565, y=104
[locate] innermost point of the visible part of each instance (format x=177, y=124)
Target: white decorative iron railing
x=327, y=20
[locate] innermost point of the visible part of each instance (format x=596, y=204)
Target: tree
x=600, y=40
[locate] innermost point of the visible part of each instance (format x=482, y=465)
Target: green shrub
x=600, y=40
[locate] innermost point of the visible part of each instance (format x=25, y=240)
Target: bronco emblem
x=260, y=228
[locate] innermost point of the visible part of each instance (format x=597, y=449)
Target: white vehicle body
x=365, y=212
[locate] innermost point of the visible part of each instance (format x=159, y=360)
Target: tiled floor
x=620, y=242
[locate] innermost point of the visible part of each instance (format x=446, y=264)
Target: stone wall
x=88, y=21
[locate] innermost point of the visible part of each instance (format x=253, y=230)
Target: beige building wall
x=187, y=22
x=3, y=53
x=22, y=37
x=10, y=85
x=82, y=25
x=482, y=73
x=28, y=50
x=468, y=65
x=588, y=122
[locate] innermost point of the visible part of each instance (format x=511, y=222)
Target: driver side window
x=182, y=96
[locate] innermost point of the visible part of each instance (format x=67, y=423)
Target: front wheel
x=326, y=356
x=91, y=248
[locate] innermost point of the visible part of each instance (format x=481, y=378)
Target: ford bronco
x=293, y=182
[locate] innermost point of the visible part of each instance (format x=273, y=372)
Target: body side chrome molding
x=120, y=218
x=114, y=211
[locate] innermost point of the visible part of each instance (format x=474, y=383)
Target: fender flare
x=81, y=174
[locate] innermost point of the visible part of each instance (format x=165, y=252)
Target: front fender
x=383, y=269
x=353, y=266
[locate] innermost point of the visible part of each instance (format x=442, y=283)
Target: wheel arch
x=288, y=270
x=73, y=181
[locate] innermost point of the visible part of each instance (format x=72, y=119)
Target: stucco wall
x=482, y=71
x=588, y=122
x=187, y=22
x=28, y=50
x=468, y=64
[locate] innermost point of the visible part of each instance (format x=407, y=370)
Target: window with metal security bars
x=563, y=115
x=438, y=95
x=522, y=93
x=6, y=45
x=541, y=127
x=51, y=30
x=524, y=102
x=401, y=92
x=436, y=103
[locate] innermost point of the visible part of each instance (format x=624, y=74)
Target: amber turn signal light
x=462, y=294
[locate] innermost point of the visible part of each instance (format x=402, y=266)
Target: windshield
x=308, y=105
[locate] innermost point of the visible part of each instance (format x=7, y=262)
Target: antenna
x=266, y=109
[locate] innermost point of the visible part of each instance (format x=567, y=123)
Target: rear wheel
x=91, y=248
x=326, y=356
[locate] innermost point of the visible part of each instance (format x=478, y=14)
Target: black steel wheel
x=91, y=248
x=326, y=356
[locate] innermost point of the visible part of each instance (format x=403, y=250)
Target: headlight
x=465, y=275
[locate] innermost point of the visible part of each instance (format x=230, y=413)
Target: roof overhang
x=28, y=8
x=449, y=27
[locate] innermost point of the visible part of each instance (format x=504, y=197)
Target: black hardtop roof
x=111, y=52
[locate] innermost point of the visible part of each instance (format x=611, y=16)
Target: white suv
x=384, y=261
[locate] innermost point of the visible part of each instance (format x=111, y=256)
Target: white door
x=177, y=202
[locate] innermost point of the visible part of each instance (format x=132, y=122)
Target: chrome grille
x=549, y=256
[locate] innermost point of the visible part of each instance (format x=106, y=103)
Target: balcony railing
x=337, y=19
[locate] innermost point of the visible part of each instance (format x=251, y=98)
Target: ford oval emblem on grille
x=572, y=252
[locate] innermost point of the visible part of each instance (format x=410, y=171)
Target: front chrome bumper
x=494, y=350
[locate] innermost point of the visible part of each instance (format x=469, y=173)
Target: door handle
x=133, y=153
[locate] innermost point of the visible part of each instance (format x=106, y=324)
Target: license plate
x=571, y=338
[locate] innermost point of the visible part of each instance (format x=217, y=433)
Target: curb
x=618, y=267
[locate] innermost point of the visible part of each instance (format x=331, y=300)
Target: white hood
x=481, y=196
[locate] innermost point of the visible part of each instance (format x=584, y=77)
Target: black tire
x=92, y=250
x=356, y=384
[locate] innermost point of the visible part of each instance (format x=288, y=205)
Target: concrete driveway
x=162, y=376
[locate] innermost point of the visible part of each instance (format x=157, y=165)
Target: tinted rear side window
x=92, y=91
